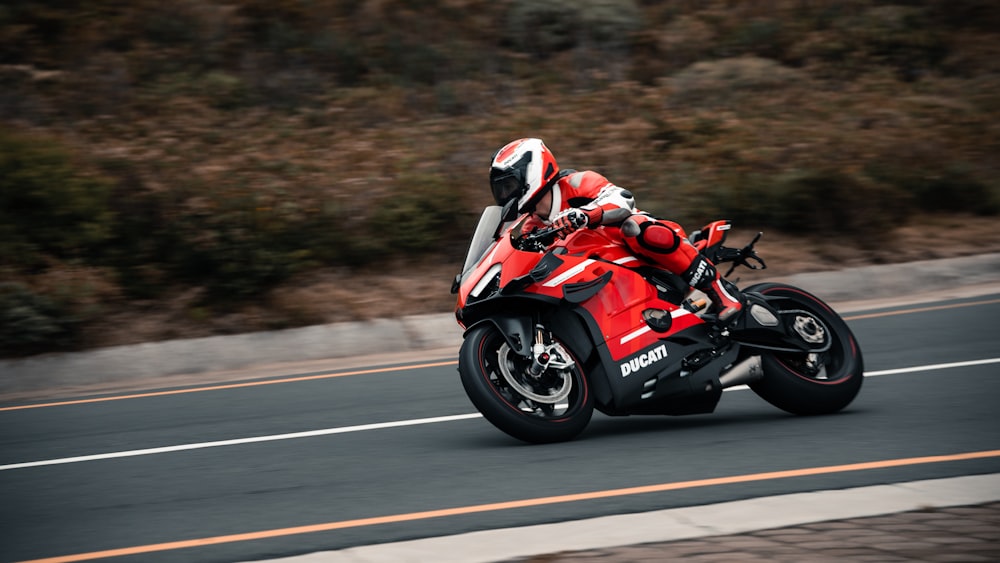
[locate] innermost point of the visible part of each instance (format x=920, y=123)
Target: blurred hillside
x=194, y=167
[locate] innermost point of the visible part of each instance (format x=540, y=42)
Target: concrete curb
x=420, y=332
x=891, y=280
x=735, y=517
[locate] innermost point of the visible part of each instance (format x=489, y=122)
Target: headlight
x=488, y=285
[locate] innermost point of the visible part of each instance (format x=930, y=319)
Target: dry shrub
x=545, y=28
x=718, y=80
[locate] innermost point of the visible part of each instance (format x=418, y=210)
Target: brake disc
x=507, y=368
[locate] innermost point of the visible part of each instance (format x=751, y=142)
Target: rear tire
x=562, y=403
x=815, y=383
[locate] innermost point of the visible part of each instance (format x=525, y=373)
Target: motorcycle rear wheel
x=810, y=384
x=554, y=407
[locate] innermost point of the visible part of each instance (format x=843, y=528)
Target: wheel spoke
x=550, y=395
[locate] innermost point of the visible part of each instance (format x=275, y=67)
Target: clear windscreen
x=482, y=239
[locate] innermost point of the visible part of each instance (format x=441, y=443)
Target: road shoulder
x=596, y=539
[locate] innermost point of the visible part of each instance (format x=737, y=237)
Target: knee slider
x=660, y=237
x=657, y=238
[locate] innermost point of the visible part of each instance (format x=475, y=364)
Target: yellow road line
x=230, y=386
x=526, y=503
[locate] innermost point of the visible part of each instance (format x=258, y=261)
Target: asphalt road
x=304, y=463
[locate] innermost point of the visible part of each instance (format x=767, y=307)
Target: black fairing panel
x=516, y=329
x=671, y=287
x=576, y=337
x=582, y=291
x=523, y=304
x=696, y=391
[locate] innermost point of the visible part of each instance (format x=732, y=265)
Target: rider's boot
x=664, y=243
x=703, y=276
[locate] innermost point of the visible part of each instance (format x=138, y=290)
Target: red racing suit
x=658, y=242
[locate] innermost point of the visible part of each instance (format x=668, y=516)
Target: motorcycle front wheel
x=810, y=384
x=554, y=406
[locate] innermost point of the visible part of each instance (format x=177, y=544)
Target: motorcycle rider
x=569, y=200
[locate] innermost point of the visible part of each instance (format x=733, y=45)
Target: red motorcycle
x=558, y=327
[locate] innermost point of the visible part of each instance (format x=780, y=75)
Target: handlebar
x=538, y=239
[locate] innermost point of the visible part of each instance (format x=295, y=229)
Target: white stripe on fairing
x=575, y=270
x=626, y=260
x=636, y=334
x=633, y=335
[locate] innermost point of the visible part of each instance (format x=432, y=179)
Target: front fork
x=547, y=355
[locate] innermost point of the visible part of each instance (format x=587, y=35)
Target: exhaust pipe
x=747, y=371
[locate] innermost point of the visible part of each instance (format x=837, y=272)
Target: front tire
x=554, y=407
x=810, y=384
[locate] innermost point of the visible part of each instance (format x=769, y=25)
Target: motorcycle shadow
x=603, y=427
x=752, y=423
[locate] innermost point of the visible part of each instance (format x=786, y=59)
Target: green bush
x=31, y=323
x=48, y=205
x=542, y=28
x=225, y=91
x=937, y=188
x=545, y=28
x=608, y=23
x=236, y=245
x=412, y=62
x=966, y=14
x=423, y=214
x=765, y=38
x=718, y=79
x=823, y=202
x=901, y=37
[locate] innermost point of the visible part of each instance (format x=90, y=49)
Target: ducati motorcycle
x=557, y=327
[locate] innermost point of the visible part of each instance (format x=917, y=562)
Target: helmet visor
x=506, y=187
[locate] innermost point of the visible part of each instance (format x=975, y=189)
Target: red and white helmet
x=522, y=169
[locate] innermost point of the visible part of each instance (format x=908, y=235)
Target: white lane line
x=253, y=440
x=933, y=367
x=913, y=369
x=396, y=424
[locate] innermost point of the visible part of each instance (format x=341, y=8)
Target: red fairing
x=586, y=255
x=618, y=308
x=713, y=234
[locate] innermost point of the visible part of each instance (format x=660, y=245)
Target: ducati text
x=644, y=360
